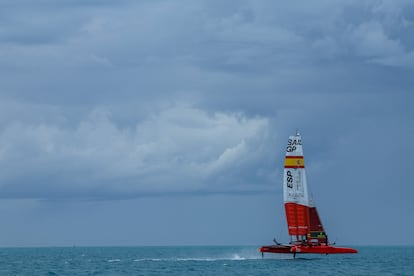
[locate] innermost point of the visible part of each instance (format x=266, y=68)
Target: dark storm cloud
x=261, y=66
x=170, y=47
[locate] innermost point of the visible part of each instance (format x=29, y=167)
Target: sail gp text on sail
x=292, y=143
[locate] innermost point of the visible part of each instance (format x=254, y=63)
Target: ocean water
x=200, y=260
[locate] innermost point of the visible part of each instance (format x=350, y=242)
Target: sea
x=201, y=260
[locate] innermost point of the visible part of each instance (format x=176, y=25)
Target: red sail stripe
x=297, y=216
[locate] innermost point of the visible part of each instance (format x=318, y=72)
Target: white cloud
x=236, y=28
x=379, y=36
x=179, y=149
x=402, y=60
x=370, y=40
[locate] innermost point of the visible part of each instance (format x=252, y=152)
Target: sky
x=165, y=122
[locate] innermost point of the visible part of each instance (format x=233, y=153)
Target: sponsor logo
x=292, y=143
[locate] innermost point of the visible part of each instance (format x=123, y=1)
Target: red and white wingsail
x=304, y=225
x=302, y=217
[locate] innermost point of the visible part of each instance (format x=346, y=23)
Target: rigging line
x=282, y=226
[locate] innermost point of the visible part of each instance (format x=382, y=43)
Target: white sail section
x=295, y=189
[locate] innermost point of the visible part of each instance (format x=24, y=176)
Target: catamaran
x=307, y=234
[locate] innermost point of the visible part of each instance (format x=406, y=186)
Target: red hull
x=276, y=249
x=310, y=249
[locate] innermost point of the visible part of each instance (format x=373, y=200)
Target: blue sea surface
x=200, y=260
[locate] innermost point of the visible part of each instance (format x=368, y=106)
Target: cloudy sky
x=165, y=122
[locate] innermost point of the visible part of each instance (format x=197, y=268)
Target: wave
x=113, y=260
x=234, y=257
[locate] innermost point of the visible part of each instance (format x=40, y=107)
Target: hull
x=276, y=249
x=309, y=249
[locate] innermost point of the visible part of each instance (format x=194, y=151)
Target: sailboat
x=307, y=234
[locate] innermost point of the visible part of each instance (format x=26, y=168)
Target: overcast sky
x=165, y=122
